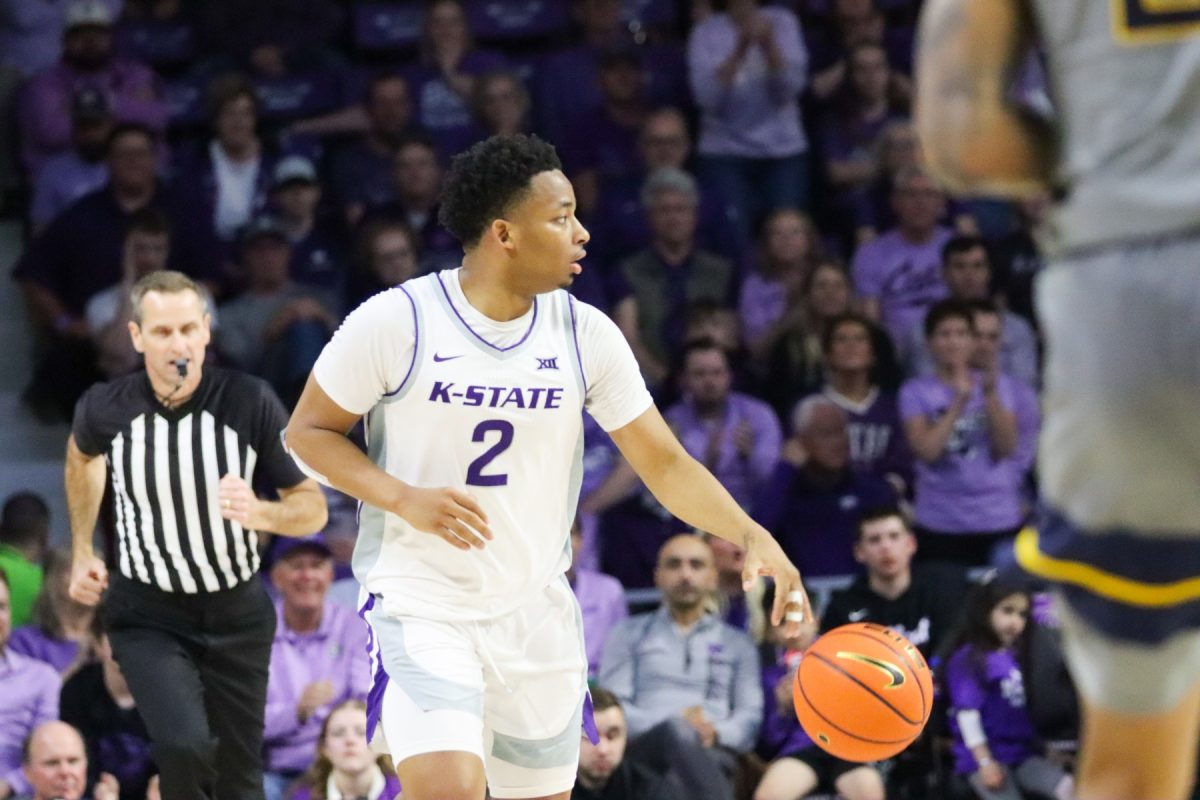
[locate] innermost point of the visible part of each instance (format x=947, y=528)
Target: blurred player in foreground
x=1120, y=449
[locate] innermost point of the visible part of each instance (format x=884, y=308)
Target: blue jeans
x=758, y=186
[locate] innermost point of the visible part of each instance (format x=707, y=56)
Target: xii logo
x=547, y=363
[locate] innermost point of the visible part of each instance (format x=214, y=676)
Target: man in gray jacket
x=689, y=683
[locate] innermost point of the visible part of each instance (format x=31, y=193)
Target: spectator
x=60, y=632
x=898, y=276
x=736, y=436
x=318, y=243
x=851, y=129
x=921, y=603
x=386, y=254
x=30, y=698
x=729, y=561
x=985, y=357
x=55, y=763
x=995, y=743
x=24, y=532
x=88, y=59
x=345, y=766
x=967, y=272
x=796, y=766
x=688, y=682
x=604, y=772
x=795, y=366
x=747, y=67
x=417, y=186
x=109, y=312
x=601, y=601
x=1018, y=260
x=31, y=34
x=669, y=274
x=855, y=23
x=318, y=660
x=619, y=225
x=501, y=104
x=443, y=80
x=270, y=36
x=771, y=295
x=813, y=499
x=877, y=443
x=361, y=168
x=80, y=254
x=96, y=700
x=68, y=176
x=963, y=431
x=231, y=175
x=601, y=144
x=276, y=328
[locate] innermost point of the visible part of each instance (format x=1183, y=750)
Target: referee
x=190, y=623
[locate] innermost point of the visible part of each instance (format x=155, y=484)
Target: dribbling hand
x=89, y=579
x=451, y=514
x=764, y=557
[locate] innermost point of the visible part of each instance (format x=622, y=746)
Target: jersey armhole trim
x=575, y=343
x=401, y=390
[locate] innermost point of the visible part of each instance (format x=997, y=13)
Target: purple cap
x=285, y=546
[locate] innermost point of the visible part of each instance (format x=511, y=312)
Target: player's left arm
x=691, y=493
x=974, y=137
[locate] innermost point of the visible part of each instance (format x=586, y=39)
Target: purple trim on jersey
x=521, y=341
x=379, y=680
x=416, y=341
x=1157, y=561
x=579, y=358
x=589, y=718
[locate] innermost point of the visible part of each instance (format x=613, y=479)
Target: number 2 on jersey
x=475, y=476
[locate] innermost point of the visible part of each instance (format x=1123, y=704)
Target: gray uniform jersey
x=1125, y=76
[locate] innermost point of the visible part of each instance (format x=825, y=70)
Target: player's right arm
x=85, y=478
x=356, y=368
x=316, y=438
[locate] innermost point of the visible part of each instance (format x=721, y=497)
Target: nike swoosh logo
x=440, y=359
x=891, y=670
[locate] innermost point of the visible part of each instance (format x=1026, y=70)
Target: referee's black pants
x=197, y=668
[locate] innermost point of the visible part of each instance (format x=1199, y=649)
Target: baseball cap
x=88, y=12
x=90, y=104
x=285, y=546
x=259, y=227
x=293, y=169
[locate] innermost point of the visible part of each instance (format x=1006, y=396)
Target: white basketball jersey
x=504, y=423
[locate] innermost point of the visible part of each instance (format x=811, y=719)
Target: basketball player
x=1120, y=449
x=472, y=382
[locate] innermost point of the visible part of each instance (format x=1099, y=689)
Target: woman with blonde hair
x=345, y=767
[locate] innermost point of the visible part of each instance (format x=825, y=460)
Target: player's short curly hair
x=485, y=181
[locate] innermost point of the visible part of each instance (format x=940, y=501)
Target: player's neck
x=890, y=587
x=488, y=295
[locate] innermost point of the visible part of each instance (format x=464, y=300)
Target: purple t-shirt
x=742, y=477
x=761, y=304
x=877, y=443
x=441, y=110
x=32, y=641
x=905, y=278
x=997, y=692
x=966, y=490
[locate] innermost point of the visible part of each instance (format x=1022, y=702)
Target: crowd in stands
x=824, y=329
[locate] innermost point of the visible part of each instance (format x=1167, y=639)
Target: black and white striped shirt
x=164, y=468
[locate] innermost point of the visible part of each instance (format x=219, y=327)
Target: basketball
x=863, y=692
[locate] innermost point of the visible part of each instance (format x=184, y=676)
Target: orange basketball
x=863, y=692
